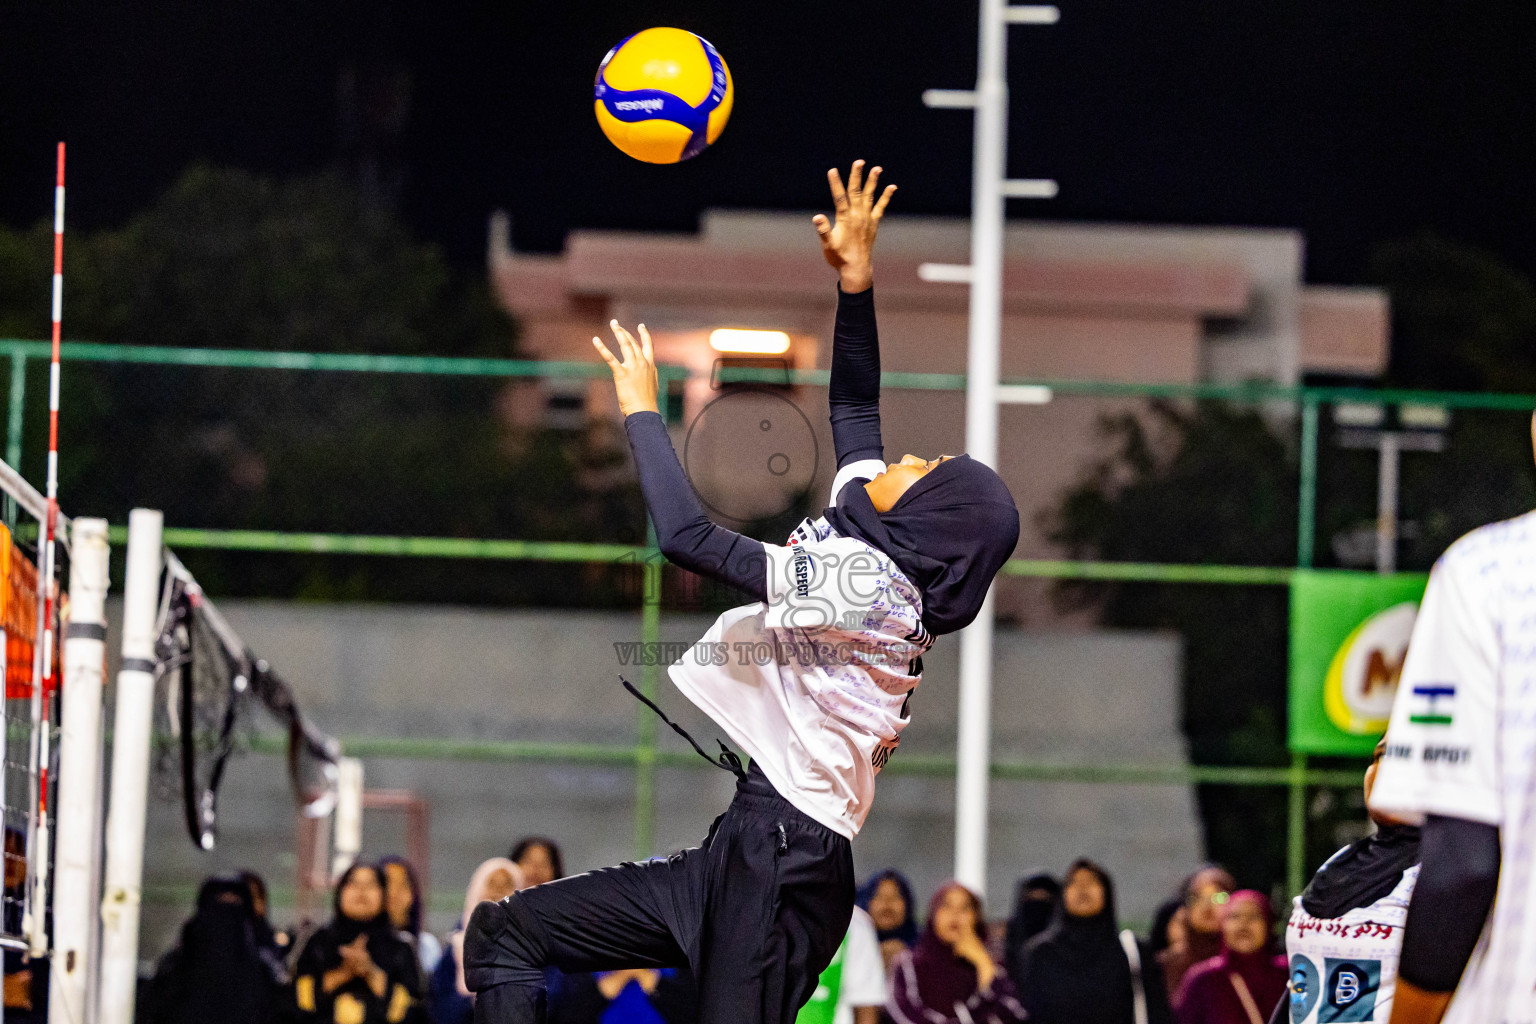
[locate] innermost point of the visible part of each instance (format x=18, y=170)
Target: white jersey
x=1462, y=743
x=1345, y=968
x=813, y=683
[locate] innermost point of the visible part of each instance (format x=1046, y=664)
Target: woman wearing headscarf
x=355, y=970
x=1034, y=908
x=887, y=898
x=539, y=858
x=1336, y=966
x=1082, y=969
x=449, y=1000
x=403, y=898
x=217, y=970
x=1242, y=982
x=1204, y=897
x=949, y=977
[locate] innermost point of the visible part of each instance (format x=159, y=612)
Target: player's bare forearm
x=1413, y=1005
x=848, y=242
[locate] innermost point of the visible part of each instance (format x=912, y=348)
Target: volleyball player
x=1461, y=759
x=844, y=612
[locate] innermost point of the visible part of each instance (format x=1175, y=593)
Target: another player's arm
x=847, y=244
x=1457, y=882
x=684, y=533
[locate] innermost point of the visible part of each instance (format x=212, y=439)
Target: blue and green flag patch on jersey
x=1433, y=704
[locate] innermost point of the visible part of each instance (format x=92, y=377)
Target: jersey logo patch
x=1303, y=988
x=1433, y=704
x=1351, y=995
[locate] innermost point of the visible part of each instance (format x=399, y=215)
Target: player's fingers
x=602, y=350
x=823, y=227
x=839, y=195
x=625, y=342
x=856, y=177
x=645, y=345
x=872, y=186
x=885, y=199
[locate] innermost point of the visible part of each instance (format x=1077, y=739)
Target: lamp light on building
x=742, y=341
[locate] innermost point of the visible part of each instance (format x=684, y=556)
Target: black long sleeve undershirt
x=683, y=532
x=853, y=393
x=1458, y=879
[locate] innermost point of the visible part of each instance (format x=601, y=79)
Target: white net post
x=80, y=742
x=349, y=815
x=131, y=739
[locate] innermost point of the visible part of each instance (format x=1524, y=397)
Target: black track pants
x=756, y=912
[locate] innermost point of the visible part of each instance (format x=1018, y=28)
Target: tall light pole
x=989, y=187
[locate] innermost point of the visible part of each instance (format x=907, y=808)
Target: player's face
x=362, y=897
x=397, y=894
x=1084, y=894
x=538, y=866
x=954, y=916
x=1370, y=784
x=886, y=489
x=1244, y=928
x=887, y=908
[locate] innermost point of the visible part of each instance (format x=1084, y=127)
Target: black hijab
x=1075, y=972
x=949, y=534
x=1362, y=872
x=216, y=971
x=1031, y=914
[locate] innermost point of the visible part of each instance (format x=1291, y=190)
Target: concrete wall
x=1107, y=697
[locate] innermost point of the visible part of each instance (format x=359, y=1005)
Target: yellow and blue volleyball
x=663, y=95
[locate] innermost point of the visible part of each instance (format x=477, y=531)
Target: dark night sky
x=1354, y=121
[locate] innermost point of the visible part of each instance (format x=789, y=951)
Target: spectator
x=1034, y=908
x=26, y=979
x=355, y=970
x=217, y=972
x=887, y=898
x=1082, y=969
x=1167, y=926
x=666, y=996
x=450, y=1001
x=852, y=988
x=1204, y=895
x=949, y=977
x=404, y=899
x=272, y=944
x=539, y=859
x=1246, y=979
x=1367, y=882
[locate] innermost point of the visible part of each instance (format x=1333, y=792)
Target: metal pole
x=131, y=736
x=1386, y=503
x=974, y=741
x=75, y=902
x=1296, y=833
x=1306, y=504
x=14, y=424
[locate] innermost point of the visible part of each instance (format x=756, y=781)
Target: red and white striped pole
x=44, y=667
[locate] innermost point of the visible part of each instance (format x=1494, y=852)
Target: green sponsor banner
x=1349, y=635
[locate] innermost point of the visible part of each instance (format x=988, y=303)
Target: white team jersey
x=1345, y=968
x=1462, y=743
x=813, y=683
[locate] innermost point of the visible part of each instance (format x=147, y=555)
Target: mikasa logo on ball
x=638, y=105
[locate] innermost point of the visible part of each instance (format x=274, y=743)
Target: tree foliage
x=227, y=259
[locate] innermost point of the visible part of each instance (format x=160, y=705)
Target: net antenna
x=211, y=682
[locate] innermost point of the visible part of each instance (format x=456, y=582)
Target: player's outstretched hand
x=634, y=371
x=848, y=241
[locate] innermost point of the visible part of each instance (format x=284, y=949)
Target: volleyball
x=663, y=95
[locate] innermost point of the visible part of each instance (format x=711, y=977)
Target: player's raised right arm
x=848, y=244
